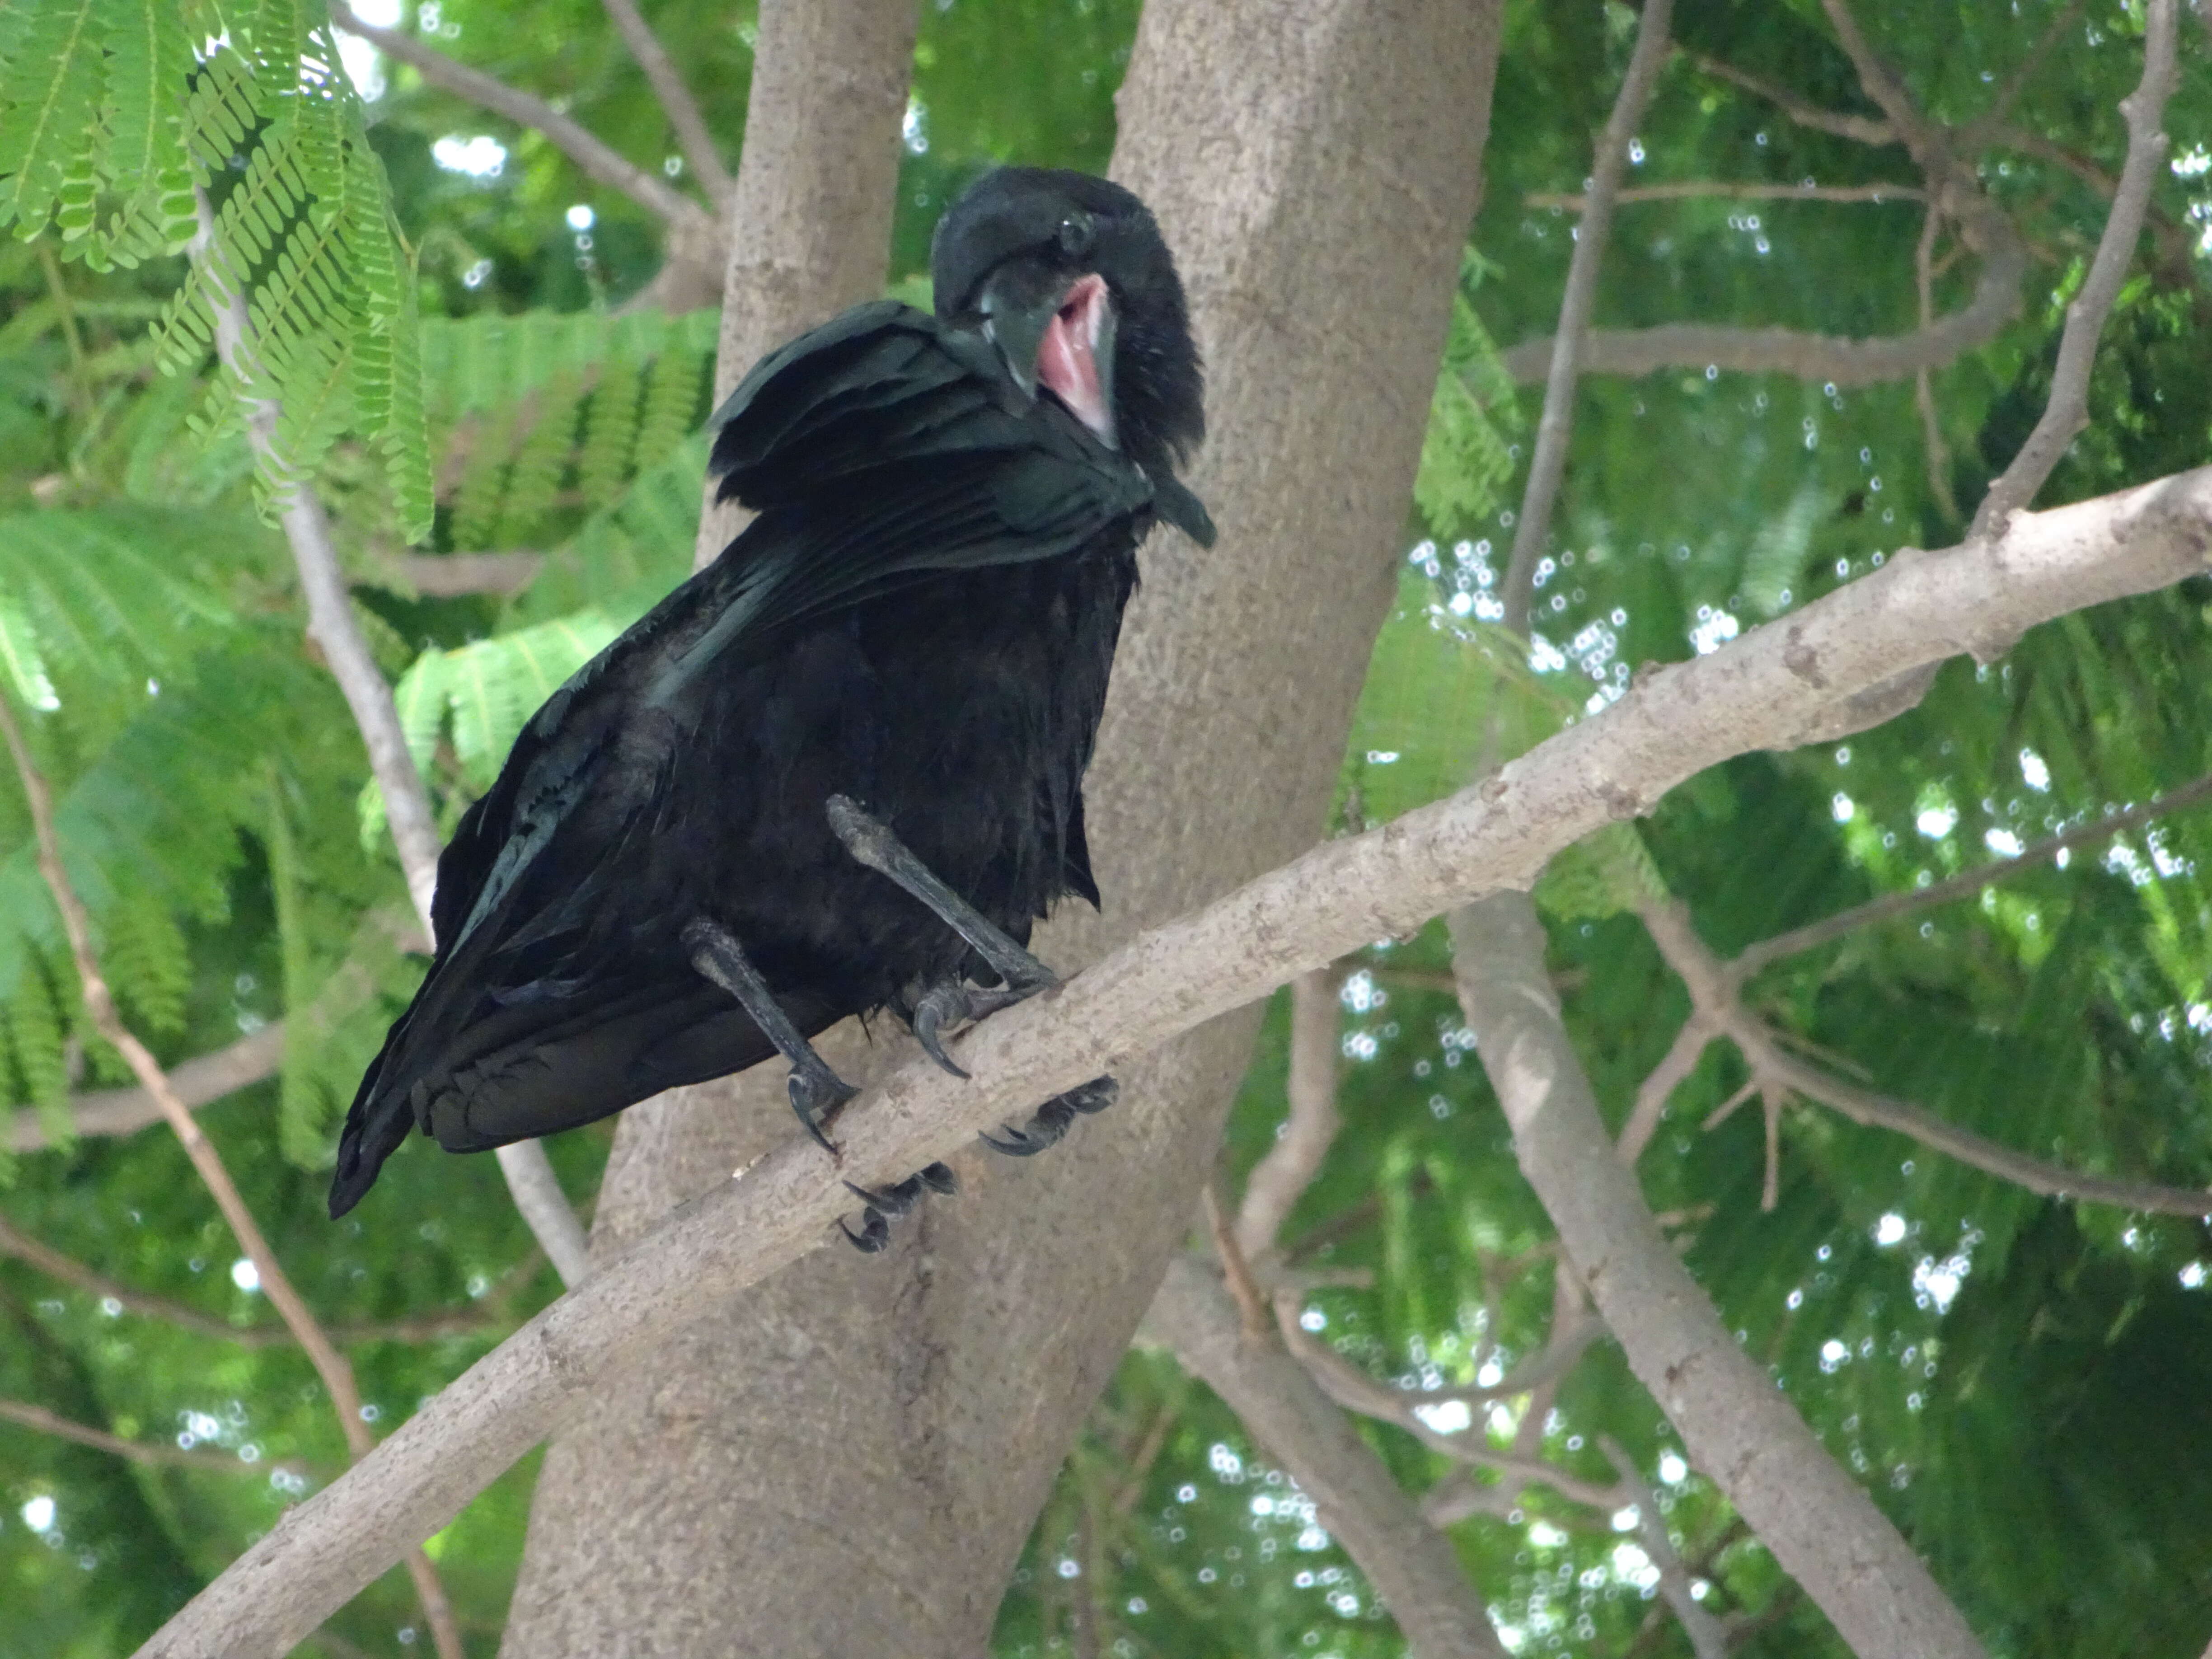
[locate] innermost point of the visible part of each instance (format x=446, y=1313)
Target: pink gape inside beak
x=1067, y=357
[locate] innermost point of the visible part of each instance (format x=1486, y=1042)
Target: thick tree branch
x=592, y=155
x=161, y=1454
x=1737, y=1426
x=198, y=1082
x=1411, y=1567
x=1720, y=1013
x=1281, y=1177
x=1767, y=690
x=332, y=623
x=1891, y=905
x=100, y=1008
x=2068, y=410
x=1547, y=462
x=676, y=100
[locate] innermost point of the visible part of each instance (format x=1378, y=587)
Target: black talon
x=893, y=1201
x=945, y=1004
x=817, y=1091
x=1051, y=1119
x=939, y=1178
x=875, y=1233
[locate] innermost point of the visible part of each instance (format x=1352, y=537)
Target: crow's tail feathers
x=378, y=1121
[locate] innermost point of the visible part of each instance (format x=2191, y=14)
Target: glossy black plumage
x=923, y=617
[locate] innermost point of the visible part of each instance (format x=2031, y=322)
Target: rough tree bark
x=848, y=1461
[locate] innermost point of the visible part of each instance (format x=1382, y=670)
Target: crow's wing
x=883, y=449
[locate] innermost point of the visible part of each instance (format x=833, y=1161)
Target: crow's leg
x=1051, y=1119
x=875, y=846
x=817, y=1091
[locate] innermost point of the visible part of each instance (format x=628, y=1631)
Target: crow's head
x=1068, y=276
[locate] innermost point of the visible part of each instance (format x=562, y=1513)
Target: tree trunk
x=847, y=1462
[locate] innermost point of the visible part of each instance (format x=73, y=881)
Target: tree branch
x=1281, y=1177
x=1547, y=462
x=69, y=1271
x=450, y=576
x=1720, y=1013
x=1411, y=1567
x=1704, y=189
x=1737, y=1427
x=2068, y=410
x=1866, y=129
x=331, y=625
x=1708, y=1640
x=1938, y=457
x=99, y=1007
x=160, y=1454
x=594, y=157
x=675, y=100
x=1889, y=905
x=1767, y=690
x=199, y=1082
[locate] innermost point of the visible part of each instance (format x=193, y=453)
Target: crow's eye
x=1075, y=235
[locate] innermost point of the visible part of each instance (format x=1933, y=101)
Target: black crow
x=841, y=768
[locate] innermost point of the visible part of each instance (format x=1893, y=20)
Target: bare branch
x=449, y=575
x=332, y=623
x=675, y=100
x=1713, y=984
x=99, y=1007
x=161, y=1454
x=69, y=1271
x=594, y=157
x=1707, y=1639
x=1653, y=1093
x=1938, y=456
x=1737, y=1427
x=1704, y=189
x=198, y=1082
x=1412, y=1567
x=1891, y=905
x=2016, y=82
x=1281, y=1177
x=2068, y=410
x=1763, y=690
x=1251, y=1302
x=1867, y=128
x=1547, y=462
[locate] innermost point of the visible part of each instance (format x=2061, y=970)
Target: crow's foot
x=817, y=1091
x=1053, y=1118
x=873, y=843
x=892, y=1202
x=948, y=1005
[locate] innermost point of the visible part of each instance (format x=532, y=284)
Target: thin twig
x=99, y=1006
x=161, y=1454
x=69, y=1271
x=1701, y=189
x=2016, y=82
x=450, y=576
x=1866, y=129
x=1707, y=1639
x=1937, y=456
x=1658, y=1086
x=2068, y=410
x=1548, y=462
x=675, y=100
x=199, y=1082
x=1712, y=985
x=1251, y=1301
x=1891, y=905
x=529, y=1174
x=1309, y=1126
x=592, y=155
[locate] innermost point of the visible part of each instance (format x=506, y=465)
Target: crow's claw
x=1051, y=1119
x=892, y=1202
x=818, y=1094
x=875, y=1233
x=947, y=1005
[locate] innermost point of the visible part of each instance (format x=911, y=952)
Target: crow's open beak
x=1064, y=345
